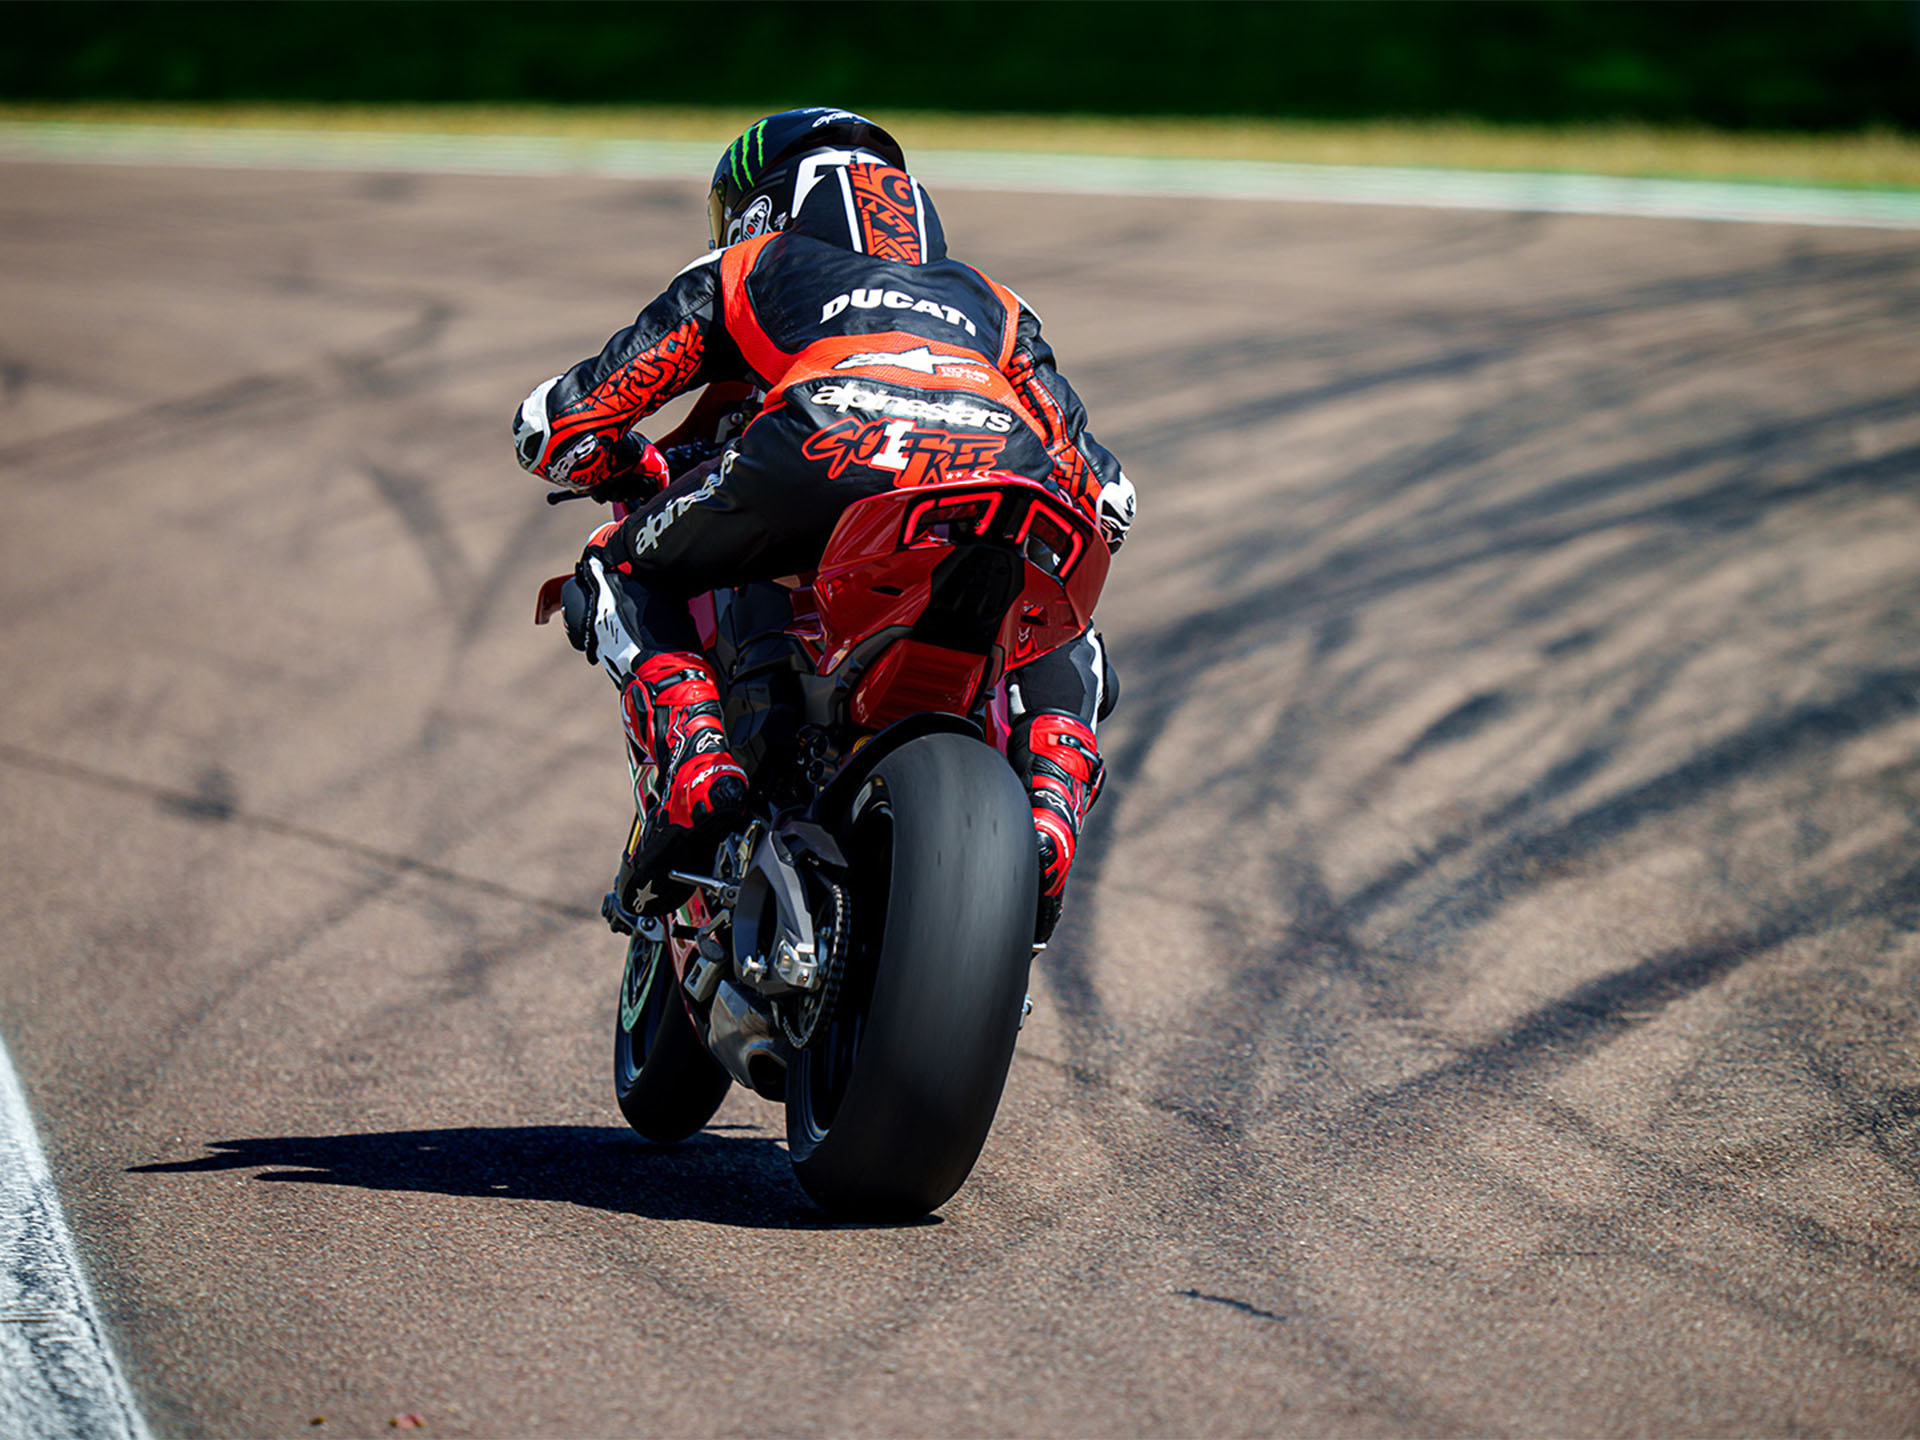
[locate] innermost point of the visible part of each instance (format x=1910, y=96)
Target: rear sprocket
x=807, y=1014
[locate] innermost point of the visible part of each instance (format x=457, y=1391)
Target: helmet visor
x=716, y=218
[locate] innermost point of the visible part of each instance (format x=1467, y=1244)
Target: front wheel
x=666, y=1082
x=887, y=1111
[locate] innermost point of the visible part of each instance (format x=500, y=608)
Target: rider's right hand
x=629, y=468
x=629, y=471
x=638, y=471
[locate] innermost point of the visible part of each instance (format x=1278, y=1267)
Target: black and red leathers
x=883, y=363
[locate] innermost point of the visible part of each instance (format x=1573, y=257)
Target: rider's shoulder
x=712, y=257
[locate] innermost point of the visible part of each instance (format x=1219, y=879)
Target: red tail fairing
x=939, y=590
x=895, y=562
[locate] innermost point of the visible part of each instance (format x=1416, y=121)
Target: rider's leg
x=755, y=516
x=687, y=787
x=1056, y=703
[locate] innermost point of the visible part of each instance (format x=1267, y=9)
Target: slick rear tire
x=666, y=1083
x=887, y=1112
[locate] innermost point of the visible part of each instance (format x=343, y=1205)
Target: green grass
x=1875, y=159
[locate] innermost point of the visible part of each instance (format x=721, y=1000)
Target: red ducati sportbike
x=859, y=948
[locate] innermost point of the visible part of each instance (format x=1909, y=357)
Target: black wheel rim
x=641, y=1006
x=826, y=1065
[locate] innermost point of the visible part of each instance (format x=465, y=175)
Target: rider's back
x=864, y=256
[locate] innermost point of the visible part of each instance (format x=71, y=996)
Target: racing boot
x=1058, y=758
x=687, y=786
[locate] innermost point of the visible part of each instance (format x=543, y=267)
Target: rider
x=865, y=359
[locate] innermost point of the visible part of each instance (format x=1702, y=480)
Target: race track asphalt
x=1488, y=1002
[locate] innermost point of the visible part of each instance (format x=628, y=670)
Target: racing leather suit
x=883, y=363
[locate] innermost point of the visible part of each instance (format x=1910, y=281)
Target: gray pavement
x=1488, y=1002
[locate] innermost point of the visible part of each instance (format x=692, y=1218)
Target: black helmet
x=756, y=171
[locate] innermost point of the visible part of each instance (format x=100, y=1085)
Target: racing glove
x=629, y=468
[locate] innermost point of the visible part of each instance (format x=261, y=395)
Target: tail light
x=943, y=517
x=1050, y=542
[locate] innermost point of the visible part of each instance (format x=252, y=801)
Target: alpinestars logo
x=563, y=465
x=918, y=457
x=922, y=361
x=648, y=535
x=959, y=411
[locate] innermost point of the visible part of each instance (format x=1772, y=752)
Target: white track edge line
x=534, y=155
x=59, y=1378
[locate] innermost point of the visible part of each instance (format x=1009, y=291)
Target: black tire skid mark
x=1875, y=699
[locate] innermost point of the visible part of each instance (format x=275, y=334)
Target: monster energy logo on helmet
x=759, y=161
x=749, y=153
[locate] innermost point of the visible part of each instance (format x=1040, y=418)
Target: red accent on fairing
x=871, y=577
x=912, y=678
x=703, y=619
x=548, y=603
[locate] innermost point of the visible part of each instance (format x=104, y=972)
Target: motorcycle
x=858, y=949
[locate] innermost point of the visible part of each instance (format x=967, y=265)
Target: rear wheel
x=888, y=1109
x=666, y=1082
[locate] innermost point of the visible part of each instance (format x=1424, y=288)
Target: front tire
x=666, y=1082
x=887, y=1112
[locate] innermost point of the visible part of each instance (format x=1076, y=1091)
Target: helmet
x=753, y=183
